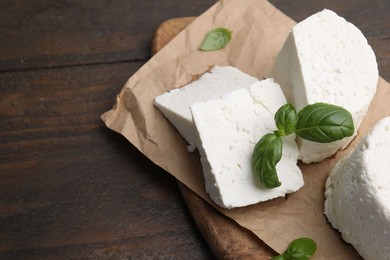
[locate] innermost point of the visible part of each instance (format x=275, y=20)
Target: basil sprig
x=319, y=122
x=216, y=39
x=299, y=249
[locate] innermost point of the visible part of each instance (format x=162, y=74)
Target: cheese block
x=228, y=129
x=175, y=104
x=327, y=59
x=358, y=194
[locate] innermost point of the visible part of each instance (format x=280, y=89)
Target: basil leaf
x=278, y=257
x=266, y=154
x=216, y=39
x=324, y=123
x=286, y=119
x=300, y=249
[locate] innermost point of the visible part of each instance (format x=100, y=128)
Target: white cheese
x=228, y=129
x=175, y=104
x=327, y=59
x=358, y=194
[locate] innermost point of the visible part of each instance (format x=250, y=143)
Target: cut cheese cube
x=358, y=194
x=175, y=104
x=228, y=129
x=327, y=59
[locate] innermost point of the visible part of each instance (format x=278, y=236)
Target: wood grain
x=44, y=34
x=69, y=187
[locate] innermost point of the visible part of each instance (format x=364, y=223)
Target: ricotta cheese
x=228, y=129
x=327, y=59
x=358, y=194
x=175, y=104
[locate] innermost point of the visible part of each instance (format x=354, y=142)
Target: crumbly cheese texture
x=358, y=194
x=228, y=129
x=175, y=104
x=327, y=59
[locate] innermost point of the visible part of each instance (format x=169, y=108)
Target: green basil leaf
x=324, y=123
x=266, y=154
x=216, y=39
x=300, y=249
x=278, y=257
x=286, y=119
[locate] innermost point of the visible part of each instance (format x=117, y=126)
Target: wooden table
x=70, y=187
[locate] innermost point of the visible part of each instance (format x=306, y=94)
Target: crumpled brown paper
x=259, y=31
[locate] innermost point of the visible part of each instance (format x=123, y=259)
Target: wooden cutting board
x=225, y=237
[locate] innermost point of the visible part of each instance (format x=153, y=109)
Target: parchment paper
x=259, y=31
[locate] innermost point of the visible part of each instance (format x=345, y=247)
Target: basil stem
x=267, y=153
x=324, y=123
x=299, y=249
x=216, y=39
x=286, y=119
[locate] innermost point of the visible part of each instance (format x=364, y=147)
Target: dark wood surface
x=69, y=187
